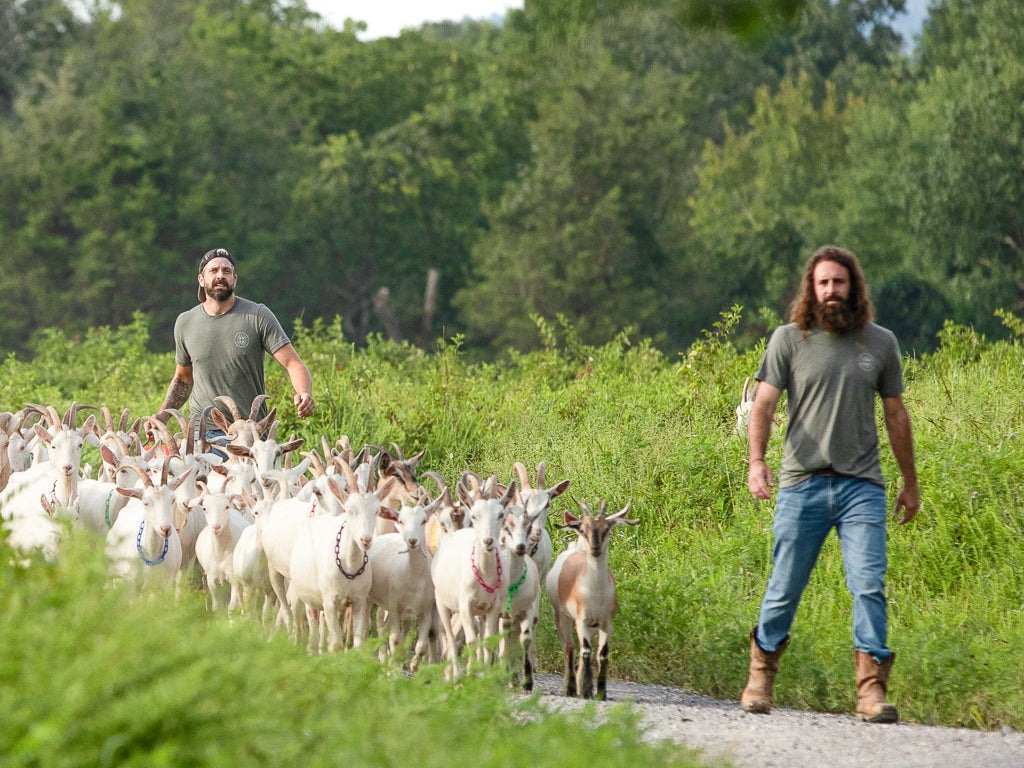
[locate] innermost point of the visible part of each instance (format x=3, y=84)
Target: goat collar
x=513, y=589
x=106, y=509
x=337, y=558
x=479, y=578
x=138, y=546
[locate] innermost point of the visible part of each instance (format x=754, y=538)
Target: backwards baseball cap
x=213, y=253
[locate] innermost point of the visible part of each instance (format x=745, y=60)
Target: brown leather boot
x=872, y=685
x=757, y=696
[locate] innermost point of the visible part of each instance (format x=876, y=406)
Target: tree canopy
x=609, y=165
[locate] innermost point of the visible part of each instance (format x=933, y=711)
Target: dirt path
x=789, y=738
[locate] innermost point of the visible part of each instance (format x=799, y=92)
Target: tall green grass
x=92, y=677
x=627, y=423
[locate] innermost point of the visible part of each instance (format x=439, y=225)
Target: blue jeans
x=804, y=515
x=216, y=437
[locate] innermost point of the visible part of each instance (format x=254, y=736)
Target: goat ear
x=571, y=521
x=414, y=461
x=290, y=446
x=108, y=456
x=619, y=518
x=388, y=513
x=220, y=419
x=558, y=489
x=42, y=434
x=238, y=450
x=385, y=488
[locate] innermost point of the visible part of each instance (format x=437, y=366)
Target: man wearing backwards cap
x=219, y=346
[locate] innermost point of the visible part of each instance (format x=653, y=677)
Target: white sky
x=386, y=18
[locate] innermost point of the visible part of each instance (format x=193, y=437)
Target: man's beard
x=220, y=292
x=835, y=318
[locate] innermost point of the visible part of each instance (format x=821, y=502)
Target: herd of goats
x=316, y=546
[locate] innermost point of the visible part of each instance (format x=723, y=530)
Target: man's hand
x=759, y=479
x=909, y=501
x=303, y=404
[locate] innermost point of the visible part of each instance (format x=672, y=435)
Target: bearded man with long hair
x=831, y=359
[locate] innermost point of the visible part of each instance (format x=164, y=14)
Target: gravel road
x=789, y=738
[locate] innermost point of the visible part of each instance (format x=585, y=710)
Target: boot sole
x=885, y=716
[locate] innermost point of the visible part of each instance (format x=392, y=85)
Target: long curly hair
x=802, y=310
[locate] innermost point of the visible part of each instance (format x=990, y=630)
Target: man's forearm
x=902, y=441
x=177, y=394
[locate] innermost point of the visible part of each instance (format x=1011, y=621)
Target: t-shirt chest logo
x=866, y=362
x=241, y=339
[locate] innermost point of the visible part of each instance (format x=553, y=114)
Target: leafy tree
x=965, y=192
x=33, y=34
x=576, y=236
x=764, y=201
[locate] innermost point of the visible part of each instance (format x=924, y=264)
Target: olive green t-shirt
x=226, y=353
x=830, y=382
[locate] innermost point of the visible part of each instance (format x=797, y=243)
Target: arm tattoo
x=177, y=394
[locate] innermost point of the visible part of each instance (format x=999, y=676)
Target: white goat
x=522, y=608
x=99, y=502
x=249, y=561
x=215, y=546
x=743, y=409
x=54, y=482
x=142, y=546
x=468, y=572
x=402, y=584
x=286, y=519
x=581, y=588
x=448, y=515
x=330, y=569
x=538, y=504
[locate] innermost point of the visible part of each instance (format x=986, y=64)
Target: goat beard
x=835, y=318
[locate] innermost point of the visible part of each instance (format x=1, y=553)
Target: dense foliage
x=622, y=165
x=624, y=422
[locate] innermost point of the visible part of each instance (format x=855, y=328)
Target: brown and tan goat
x=581, y=588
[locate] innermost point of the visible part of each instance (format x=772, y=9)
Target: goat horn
x=524, y=479
x=146, y=479
x=257, y=403
x=315, y=460
x=165, y=433
x=47, y=412
x=72, y=414
x=542, y=469
x=182, y=421
x=232, y=406
x=442, y=486
x=398, y=451
x=475, y=481
x=350, y=476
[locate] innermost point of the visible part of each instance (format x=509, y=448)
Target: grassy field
x=625, y=423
